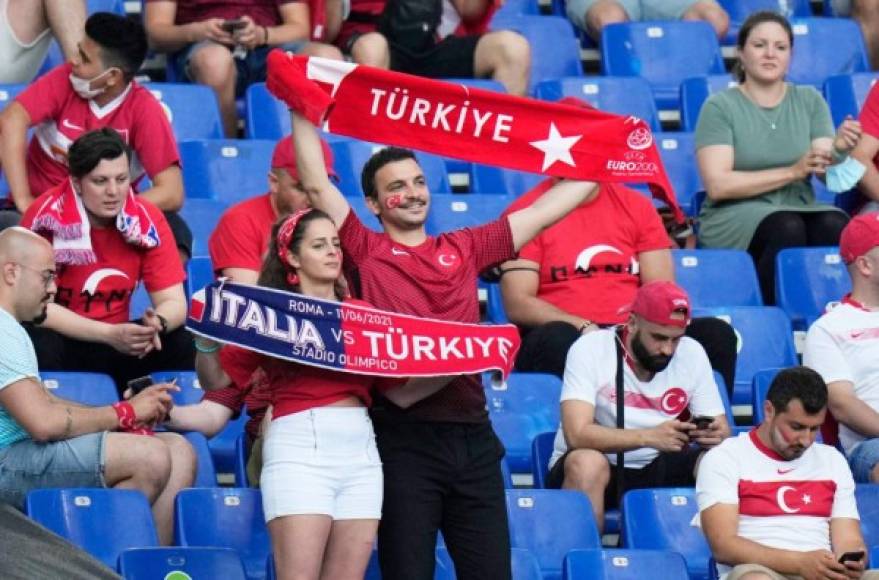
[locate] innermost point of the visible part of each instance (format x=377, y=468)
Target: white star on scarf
x=556, y=148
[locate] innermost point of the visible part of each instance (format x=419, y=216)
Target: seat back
x=492, y=179
x=807, y=280
x=190, y=389
x=846, y=94
x=91, y=519
x=678, y=150
x=525, y=565
x=227, y=518
x=867, y=497
x=812, y=63
x=624, y=565
x=96, y=389
x=549, y=523
x=761, y=381
x=266, y=117
x=227, y=170
x=494, y=305
x=765, y=340
x=178, y=562
x=192, y=109
x=202, y=216
x=659, y=519
x=718, y=277
x=541, y=450
x=206, y=473
x=739, y=10
x=453, y=211
x=620, y=95
x=663, y=53
x=695, y=91
x=351, y=155
x=199, y=273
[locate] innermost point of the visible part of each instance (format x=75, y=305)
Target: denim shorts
x=863, y=458
x=29, y=464
x=251, y=69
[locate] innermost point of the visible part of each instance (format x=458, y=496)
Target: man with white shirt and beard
x=776, y=505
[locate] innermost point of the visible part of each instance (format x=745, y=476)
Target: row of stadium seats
x=548, y=524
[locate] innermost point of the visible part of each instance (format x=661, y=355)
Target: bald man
x=46, y=441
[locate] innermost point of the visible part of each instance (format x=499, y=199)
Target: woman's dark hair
x=800, y=383
x=92, y=147
x=122, y=40
x=273, y=273
x=754, y=20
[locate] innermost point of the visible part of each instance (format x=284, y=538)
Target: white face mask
x=82, y=87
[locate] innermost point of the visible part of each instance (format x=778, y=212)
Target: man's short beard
x=653, y=363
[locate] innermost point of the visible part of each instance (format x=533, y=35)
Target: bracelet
x=200, y=347
x=125, y=415
x=585, y=325
x=265, y=35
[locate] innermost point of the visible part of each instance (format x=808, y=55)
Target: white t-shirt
x=782, y=504
x=843, y=345
x=17, y=361
x=590, y=376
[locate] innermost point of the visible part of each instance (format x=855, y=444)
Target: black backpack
x=411, y=24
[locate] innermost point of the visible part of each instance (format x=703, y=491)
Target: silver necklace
x=760, y=109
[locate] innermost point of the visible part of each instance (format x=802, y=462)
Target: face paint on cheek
x=393, y=201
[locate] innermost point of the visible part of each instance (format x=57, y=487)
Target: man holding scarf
x=441, y=457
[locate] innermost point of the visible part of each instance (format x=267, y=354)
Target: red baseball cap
x=662, y=302
x=283, y=157
x=859, y=237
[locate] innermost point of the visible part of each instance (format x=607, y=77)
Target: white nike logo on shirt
x=70, y=125
x=398, y=252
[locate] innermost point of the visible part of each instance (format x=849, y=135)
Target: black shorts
x=667, y=470
x=453, y=56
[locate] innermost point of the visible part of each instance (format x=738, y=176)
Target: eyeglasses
x=48, y=276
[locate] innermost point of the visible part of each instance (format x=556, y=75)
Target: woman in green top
x=758, y=145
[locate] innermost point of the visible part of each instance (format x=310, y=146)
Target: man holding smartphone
x=775, y=505
x=670, y=400
x=224, y=44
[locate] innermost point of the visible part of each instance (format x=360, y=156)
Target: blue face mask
x=844, y=175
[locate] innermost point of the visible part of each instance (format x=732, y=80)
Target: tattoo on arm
x=68, y=427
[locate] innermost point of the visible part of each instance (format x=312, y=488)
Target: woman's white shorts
x=322, y=461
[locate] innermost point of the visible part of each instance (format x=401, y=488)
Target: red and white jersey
x=843, y=345
x=61, y=116
x=590, y=376
x=782, y=504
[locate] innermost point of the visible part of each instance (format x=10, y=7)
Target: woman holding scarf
x=321, y=477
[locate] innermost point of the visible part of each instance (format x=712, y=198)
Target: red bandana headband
x=285, y=234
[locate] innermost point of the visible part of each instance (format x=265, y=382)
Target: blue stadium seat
x=724, y=398
x=266, y=117
x=140, y=301
x=765, y=341
x=484, y=84
x=547, y=35
x=678, y=152
x=202, y=215
x=350, y=156
x=624, y=565
x=179, y=563
x=664, y=53
x=807, y=279
x=717, y=277
x=535, y=516
x=114, y=6
x=190, y=389
x=223, y=445
x=199, y=273
x=227, y=170
x=8, y=92
x=873, y=556
x=507, y=474
x=525, y=565
x=452, y=211
x=695, y=91
x=619, y=95
x=103, y=522
x=659, y=519
x=867, y=496
x=95, y=389
x=491, y=179
x=526, y=405
x=518, y=8
x=494, y=306
x=241, y=461
x=739, y=10
x=192, y=110
x=541, y=450
x=761, y=381
x=225, y=518
x=206, y=475
x=812, y=63
x=845, y=94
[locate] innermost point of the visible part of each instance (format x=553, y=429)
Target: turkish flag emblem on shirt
x=785, y=498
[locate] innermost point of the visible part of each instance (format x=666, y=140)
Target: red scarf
x=64, y=216
x=471, y=124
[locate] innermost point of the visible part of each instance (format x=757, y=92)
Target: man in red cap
x=240, y=240
x=669, y=399
x=843, y=346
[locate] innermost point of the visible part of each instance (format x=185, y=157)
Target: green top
x=762, y=138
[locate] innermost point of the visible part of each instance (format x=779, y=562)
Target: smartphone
x=231, y=26
x=139, y=384
x=702, y=422
x=852, y=557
